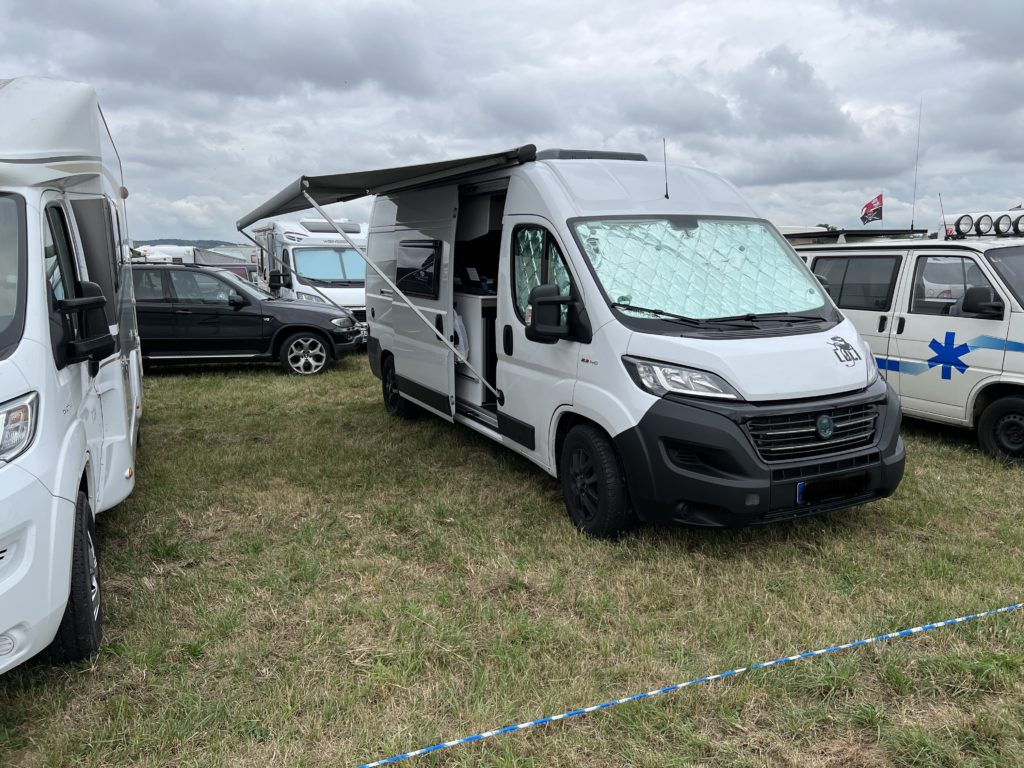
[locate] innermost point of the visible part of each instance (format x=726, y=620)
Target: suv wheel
x=304, y=353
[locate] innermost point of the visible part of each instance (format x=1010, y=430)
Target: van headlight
x=872, y=365
x=342, y=322
x=661, y=378
x=310, y=297
x=17, y=425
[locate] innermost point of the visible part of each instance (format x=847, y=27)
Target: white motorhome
x=638, y=332
x=70, y=370
x=945, y=322
x=308, y=261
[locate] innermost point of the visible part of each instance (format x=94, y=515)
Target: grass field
x=301, y=580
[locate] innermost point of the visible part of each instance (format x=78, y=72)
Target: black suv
x=197, y=314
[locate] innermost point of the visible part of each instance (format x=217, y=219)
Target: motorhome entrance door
x=424, y=233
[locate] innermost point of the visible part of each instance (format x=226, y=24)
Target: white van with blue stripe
x=945, y=321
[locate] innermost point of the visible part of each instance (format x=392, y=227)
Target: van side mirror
x=275, y=280
x=94, y=342
x=544, y=314
x=979, y=300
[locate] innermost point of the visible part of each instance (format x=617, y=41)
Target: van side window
x=940, y=283
x=860, y=283
x=417, y=272
x=536, y=260
x=60, y=268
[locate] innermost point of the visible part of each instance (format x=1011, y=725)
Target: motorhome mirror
x=544, y=314
x=275, y=280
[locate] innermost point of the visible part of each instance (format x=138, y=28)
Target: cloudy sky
x=810, y=107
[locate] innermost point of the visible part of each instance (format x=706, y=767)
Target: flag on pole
x=872, y=210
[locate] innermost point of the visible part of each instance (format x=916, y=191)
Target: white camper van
x=308, y=261
x=70, y=371
x=945, y=322
x=636, y=331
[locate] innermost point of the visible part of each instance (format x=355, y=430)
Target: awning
x=342, y=187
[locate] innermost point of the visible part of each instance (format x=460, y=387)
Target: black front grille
x=359, y=312
x=795, y=435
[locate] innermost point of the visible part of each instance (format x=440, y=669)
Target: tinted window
x=860, y=283
x=417, y=272
x=148, y=285
x=197, y=288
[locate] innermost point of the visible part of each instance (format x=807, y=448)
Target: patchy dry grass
x=301, y=580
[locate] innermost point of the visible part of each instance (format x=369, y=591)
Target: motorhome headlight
x=17, y=425
x=662, y=378
x=342, y=322
x=310, y=297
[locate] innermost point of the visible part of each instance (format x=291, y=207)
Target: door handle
x=183, y=311
x=386, y=292
x=882, y=322
x=439, y=324
x=506, y=339
x=900, y=325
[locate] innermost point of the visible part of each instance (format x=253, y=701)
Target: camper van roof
x=51, y=129
x=342, y=187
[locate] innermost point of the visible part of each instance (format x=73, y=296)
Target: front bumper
x=695, y=463
x=347, y=339
x=36, y=532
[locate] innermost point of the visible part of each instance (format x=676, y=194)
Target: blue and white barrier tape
x=677, y=686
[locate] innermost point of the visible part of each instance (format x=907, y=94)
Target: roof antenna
x=664, y=155
x=917, y=162
x=942, y=212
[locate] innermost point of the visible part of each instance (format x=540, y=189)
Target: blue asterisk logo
x=948, y=355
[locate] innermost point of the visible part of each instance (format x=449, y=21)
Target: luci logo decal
x=844, y=351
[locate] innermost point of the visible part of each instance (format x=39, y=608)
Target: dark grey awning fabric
x=342, y=187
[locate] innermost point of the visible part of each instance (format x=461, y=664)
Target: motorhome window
x=329, y=265
x=860, y=282
x=536, y=260
x=940, y=283
x=1009, y=263
x=95, y=231
x=417, y=273
x=12, y=270
x=700, y=268
x=197, y=288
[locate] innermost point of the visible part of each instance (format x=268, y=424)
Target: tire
x=394, y=403
x=1001, y=429
x=81, y=628
x=305, y=353
x=593, y=486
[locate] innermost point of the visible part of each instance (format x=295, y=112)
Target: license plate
x=831, y=489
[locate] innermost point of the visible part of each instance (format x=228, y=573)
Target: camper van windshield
x=12, y=270
x=699, y=269
x=329, y=265
x=1009, y=263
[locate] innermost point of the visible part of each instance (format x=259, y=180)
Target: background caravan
x=70, y=372
x=636, y=331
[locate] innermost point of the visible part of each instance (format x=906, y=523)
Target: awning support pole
x=398, y=292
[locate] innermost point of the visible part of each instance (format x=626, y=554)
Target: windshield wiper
x=659, y=313
x=781, y=317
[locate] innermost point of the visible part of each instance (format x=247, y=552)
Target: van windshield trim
x=13, y=283
x=815, y=313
